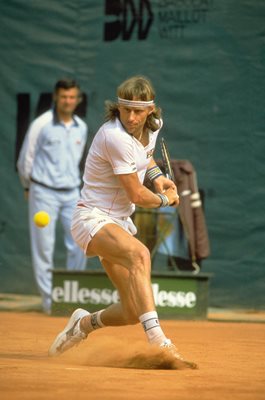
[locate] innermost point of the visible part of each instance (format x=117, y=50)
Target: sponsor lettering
x=178, y=299
x=71, y=292
x=175, y=16
x=127, y=16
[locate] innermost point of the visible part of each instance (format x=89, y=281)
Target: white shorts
x=87, y=222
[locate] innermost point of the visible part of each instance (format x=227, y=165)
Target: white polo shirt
x=113, y=152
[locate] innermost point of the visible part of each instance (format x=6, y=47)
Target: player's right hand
x=172, y=196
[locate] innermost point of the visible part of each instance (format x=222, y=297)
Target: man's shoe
x=167, y=344
x=71, y=335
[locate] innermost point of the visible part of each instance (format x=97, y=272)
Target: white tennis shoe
x=71, y=335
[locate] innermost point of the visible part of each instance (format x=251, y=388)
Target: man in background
x=48, y=167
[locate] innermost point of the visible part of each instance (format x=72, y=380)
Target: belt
x=52, y=188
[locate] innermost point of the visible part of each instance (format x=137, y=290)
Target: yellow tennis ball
x=41, y=219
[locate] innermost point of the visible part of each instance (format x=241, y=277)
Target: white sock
x=152, y=327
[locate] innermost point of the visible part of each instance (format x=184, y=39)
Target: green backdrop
x=206, y=60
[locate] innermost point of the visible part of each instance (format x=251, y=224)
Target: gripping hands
x=167, y=187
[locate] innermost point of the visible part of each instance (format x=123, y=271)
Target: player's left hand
x=161, y=184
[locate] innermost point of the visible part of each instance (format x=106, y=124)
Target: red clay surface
x=116, y=363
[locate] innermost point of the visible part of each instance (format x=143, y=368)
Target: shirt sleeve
x=27, y=154
x=119, y=151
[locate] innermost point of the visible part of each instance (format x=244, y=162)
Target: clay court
x=118, y=364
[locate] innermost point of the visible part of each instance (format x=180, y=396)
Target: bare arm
x=161, y=183
x=143, y=197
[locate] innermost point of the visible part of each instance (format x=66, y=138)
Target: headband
x=135, y=103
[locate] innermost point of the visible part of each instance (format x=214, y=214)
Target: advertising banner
x=183, y=296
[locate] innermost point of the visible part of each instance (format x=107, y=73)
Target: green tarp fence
x=206, y=60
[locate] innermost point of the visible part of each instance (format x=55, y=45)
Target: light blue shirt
x=52, y=151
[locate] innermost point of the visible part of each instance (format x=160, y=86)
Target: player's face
x=67, y=100
x=133, y=119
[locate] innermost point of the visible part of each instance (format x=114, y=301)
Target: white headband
x=135, y=103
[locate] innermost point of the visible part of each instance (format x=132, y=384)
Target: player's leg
x=43, y=240
x=131, y=309
x=124, y=312
x=75, y=260
x=128, y=265
x=127, y=262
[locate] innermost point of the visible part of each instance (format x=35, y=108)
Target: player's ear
x=151, y=110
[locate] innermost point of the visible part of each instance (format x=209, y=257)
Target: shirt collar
x=56, y=120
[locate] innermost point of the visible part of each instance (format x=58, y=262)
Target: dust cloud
x=122, y=353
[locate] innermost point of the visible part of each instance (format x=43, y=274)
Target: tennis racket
x=170, y=175
x=166, y=160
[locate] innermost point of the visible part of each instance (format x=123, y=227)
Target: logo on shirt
x=150, y=153
x=100, y=221
x=133, y=166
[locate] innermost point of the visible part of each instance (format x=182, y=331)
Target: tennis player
x=120, y=156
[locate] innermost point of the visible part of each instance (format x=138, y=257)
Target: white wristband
x=164, y=200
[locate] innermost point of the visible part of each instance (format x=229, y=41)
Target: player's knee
x=141, y=261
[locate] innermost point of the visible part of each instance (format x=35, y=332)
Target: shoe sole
x=53, y=351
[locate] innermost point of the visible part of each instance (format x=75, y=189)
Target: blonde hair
x=136, y=87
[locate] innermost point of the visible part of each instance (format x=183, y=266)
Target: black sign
x=127, y=17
